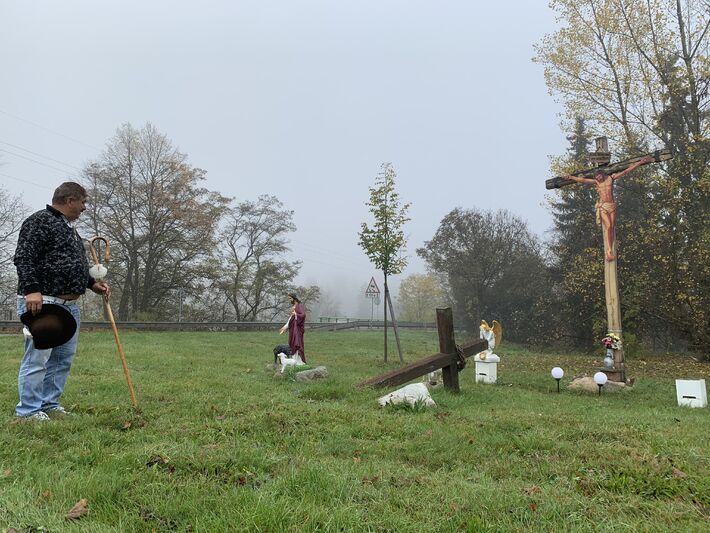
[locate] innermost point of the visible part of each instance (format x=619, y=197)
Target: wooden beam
x=558, y=182
x=402, y=375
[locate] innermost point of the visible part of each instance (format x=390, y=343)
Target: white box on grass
x=486, y=371
x=691, y=392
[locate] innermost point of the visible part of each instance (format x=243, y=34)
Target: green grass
x=223, y=446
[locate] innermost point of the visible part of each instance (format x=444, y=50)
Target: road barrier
x=14, y=326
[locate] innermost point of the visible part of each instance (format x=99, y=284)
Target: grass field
x=223, y=446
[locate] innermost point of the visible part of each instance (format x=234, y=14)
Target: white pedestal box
x=691, y=392
x=487, y=371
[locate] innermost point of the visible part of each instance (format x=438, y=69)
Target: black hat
x=51, y=327
x=293, y=295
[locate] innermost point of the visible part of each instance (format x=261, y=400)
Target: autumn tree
x=494, y=267
x=384, y=241
x=638, y=71
x=146, y=199
x=419, y=296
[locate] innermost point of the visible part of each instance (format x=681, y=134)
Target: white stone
x=691, y=392
x=411, y=394
x=319, y=372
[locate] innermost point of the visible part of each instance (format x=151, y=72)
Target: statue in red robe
x=296, y=326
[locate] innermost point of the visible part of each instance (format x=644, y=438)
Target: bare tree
x=12, y=213
x=146, y=199
x=254, y=274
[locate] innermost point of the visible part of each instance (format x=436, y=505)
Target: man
x=51, y=268
x=296, y=327
x=606, y=206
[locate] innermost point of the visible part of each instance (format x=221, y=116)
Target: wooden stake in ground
x=603, y=177
x=101, y=271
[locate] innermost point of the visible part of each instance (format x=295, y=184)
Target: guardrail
x=14, y=326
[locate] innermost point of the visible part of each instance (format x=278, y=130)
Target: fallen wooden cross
x=451, y=358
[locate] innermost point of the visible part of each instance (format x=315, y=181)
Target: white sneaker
x=58, y=410
x=39, y=416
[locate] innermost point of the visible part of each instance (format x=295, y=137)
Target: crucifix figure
x=603, y=177
x=606, y=206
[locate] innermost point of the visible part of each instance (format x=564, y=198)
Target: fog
x=302, y=100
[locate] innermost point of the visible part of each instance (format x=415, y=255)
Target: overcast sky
x=302, y=99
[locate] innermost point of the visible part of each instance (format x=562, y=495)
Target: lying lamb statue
x=411, y=394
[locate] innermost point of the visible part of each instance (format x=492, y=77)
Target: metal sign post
x=372, y=292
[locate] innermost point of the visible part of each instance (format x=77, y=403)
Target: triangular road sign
x=372, y=288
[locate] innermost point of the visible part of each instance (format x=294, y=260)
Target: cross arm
x=613, y=168
x=419, y=368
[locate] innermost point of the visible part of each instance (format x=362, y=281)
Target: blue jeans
x=44, y=373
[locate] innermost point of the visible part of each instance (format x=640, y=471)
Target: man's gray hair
x=68, y=190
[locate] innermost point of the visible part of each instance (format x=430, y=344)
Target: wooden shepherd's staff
x=101, y=270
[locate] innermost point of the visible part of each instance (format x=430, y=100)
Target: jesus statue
x=606, y=206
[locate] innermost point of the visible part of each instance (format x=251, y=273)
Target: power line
x=323, y=251
x=49, y=130
x=41, y=155
x=34, y=160
x=25, y=181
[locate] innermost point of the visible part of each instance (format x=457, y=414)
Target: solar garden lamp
x=600, y=379
x=557, y=373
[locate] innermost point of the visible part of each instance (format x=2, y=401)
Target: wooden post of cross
x=603, y=177
x=450, y=358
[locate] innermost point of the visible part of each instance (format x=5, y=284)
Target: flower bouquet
x=611, y=341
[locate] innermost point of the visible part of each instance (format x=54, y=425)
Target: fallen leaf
x=126, y=425
x=220, y=417
x=356, y=460
x=247, y=370
x=157, y=460
x=46, y=494
x=533, y=506
x=6, y=473
x=79, y=510
x=530, y=491
x=678, y=474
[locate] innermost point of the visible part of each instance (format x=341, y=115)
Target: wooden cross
x=603, y=176
x=448, y=359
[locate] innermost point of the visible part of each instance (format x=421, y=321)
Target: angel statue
x=494, y=335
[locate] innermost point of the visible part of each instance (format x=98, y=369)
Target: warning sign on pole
x=372, y=290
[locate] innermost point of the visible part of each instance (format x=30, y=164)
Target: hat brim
x=53, y=326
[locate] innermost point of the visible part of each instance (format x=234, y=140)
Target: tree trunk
x=385, y=308
x=394, y=324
